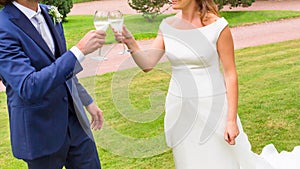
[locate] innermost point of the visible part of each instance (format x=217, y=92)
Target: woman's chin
x=176, y=7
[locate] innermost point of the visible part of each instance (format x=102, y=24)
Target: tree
x=64, y=6
x=151, y=8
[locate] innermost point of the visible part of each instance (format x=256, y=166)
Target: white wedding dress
x=196, y=106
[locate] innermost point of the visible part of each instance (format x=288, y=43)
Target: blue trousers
x=78, y=151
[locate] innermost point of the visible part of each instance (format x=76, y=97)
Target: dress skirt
x=194, y=129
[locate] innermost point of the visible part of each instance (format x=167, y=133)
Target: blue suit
x=41, y=87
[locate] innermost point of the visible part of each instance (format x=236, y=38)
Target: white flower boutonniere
x=57, y=17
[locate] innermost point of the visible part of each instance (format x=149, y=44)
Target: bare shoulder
x=210, y=18
x=176, y=21
x=172, y=19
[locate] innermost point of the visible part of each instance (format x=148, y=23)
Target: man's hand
x=92, y=41
x=96, y=114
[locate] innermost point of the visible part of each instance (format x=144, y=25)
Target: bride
x=201, y=122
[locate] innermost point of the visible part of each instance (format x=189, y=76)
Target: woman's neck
x=190, y=13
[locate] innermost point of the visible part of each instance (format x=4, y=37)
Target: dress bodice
x=194, y=59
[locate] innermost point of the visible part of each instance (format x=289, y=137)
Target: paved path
x=265, y=33
x=270, y=5
x=245, y=36
x=88, y=8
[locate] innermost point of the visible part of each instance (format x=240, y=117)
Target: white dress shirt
x=30, y=14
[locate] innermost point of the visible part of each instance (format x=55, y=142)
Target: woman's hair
x=4, y=2
x=206, y=6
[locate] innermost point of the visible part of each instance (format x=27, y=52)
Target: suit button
x=65, y=98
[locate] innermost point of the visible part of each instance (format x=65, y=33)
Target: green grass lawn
x=269, y=108
x=77, y=26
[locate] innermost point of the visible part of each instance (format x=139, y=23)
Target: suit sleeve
x=29, y=83
x=84, y=96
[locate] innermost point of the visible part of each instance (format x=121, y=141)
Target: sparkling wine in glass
x=101, y=23
x=116, y=20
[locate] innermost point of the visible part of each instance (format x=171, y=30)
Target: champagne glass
x=116, y=20
x=101, y=23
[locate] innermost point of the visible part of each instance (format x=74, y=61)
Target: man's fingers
x=92, y=124
x=100, y=119
x=97, y=121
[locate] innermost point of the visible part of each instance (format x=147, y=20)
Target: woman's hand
x=124, y=36
x=145, y=59
x=231, y=132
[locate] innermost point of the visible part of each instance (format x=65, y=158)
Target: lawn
x=77, y=26
x=269, y=91
x=269, y=108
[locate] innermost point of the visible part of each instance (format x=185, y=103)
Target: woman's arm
x=145, y=59
x=226, y=52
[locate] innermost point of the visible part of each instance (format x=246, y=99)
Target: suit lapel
x=57, y=39
x=19, y=19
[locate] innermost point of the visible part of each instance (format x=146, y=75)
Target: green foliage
x=149, y=8
x=234, y=3
x=64, y=7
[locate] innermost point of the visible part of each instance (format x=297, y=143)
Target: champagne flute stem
x=99, y=57
x=125, y=50
x=124, y=47
x=100, y=52
x=104, y=56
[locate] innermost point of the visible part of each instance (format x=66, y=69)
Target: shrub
x=64, y=6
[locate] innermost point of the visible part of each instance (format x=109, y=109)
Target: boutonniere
x=56, y=16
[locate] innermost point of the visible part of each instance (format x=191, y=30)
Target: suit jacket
x=38, y=84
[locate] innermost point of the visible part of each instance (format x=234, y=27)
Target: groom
x=48, y=126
